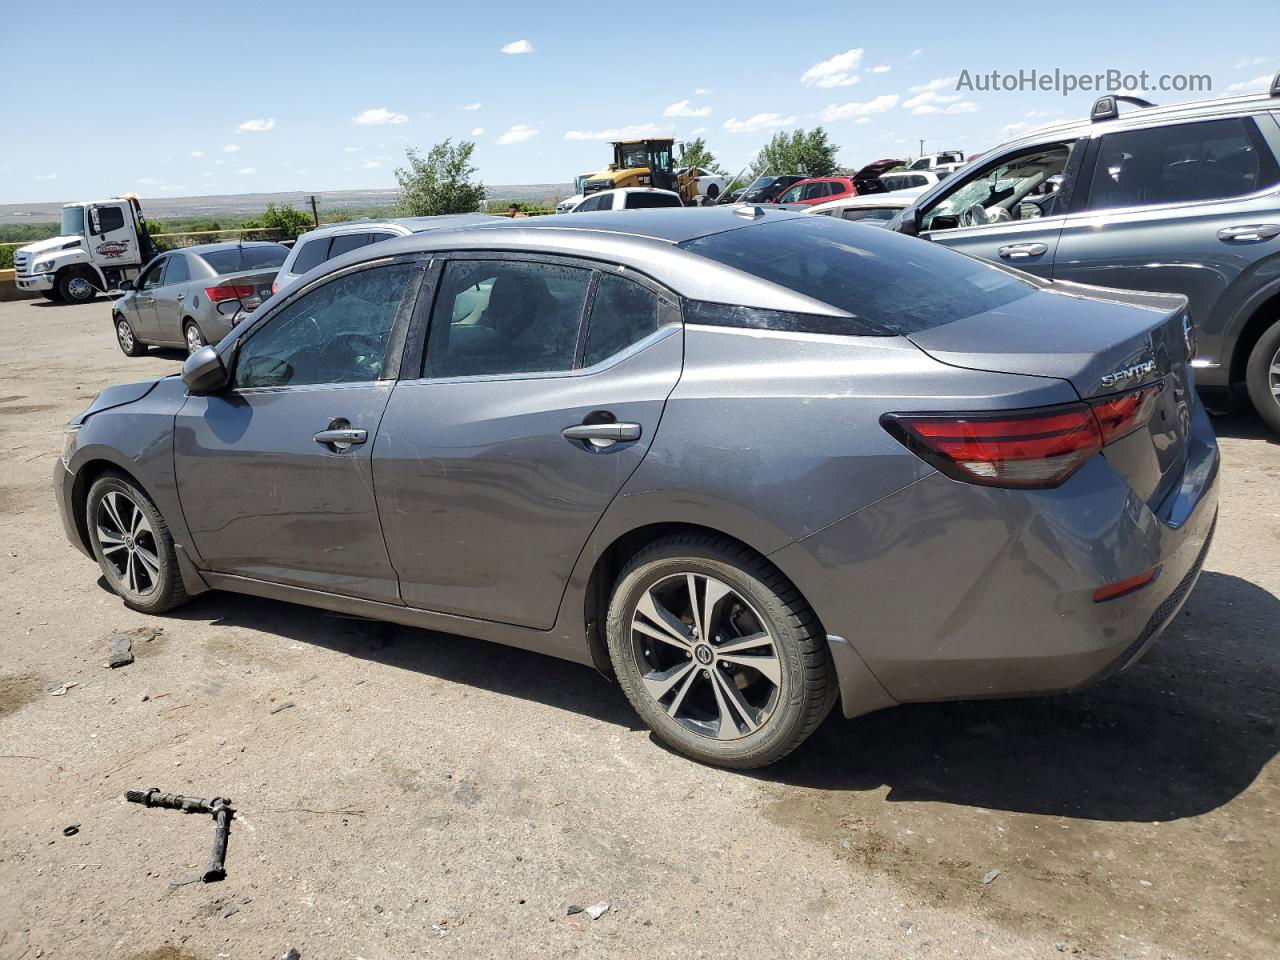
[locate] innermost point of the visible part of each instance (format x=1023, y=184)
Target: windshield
x=237, y=259
x=72, y=222
x=632, y=155
x=891, y=281
x=579, y=183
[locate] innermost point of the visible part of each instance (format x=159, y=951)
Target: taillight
x=275, y=287
x=230, y=292
x=1024, y=449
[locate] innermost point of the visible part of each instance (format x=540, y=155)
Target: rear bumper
x=951, y=591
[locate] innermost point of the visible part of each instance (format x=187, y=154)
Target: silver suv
x=1180, y=199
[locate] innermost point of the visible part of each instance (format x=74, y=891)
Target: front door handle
x=1249, y=233
x=181, y=297
x=1023, y=251
x=341, y=438
x=602, y=435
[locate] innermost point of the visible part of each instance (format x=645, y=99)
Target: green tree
x=809, y=152
x=696, y=154
x=441, y=182
x=286, y=219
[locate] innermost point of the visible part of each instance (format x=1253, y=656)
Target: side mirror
x=204, y=372
x=126, y=286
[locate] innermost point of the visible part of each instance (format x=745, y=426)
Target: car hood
x=116, y=396
x=52, y=245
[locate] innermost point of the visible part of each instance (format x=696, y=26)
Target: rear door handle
x=602, y=434
x=341, y=439
x=1249, y=233
x=1023, y=251
x=181, y=297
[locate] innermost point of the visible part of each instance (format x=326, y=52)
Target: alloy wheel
x=194, y=340
x=1273, y=376
x=128, y=543
x=78, y=288
x=125, y=333
x=706, y=656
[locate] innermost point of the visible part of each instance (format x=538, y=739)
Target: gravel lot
x=432, y=795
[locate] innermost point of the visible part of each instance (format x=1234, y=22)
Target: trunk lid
x=260, y=280
x=1102, y=342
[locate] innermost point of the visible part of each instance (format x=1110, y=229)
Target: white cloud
x=631, y=132
x=701, y=92
x=840, y=71
x=758, y=121
x=477, y=131
x=472, y=106
x=1257, y=83
x=517, y=134
x=245, y=171
x=928, y=99
x=938, y=84
x=147, y=181
x=858, y=108
x=372, y=164
x=863, y=120
x=197, y=154
x=880, y=68
x=377, y=116
x=1247, y=62
x=257, y=126
x=683, y=108
x=1009, y=129
x=1032, y=114
x=352, y=149
x=231, y=148
x=915, y=53
x=517, y=46
x=696, y=131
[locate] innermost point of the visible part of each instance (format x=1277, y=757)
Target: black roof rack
x=1108, y=107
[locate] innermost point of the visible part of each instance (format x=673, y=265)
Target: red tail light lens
x=230, y=292
x=1024, y=449
x=275, y=287
x=1123, y=588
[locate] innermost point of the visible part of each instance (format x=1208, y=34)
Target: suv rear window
x=644, y=201
x=236, y=259
x=890, y=283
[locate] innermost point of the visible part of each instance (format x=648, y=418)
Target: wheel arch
x=86, y=267
x=86, y=475
x=1261, y=316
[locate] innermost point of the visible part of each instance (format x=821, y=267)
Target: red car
x=818, y=190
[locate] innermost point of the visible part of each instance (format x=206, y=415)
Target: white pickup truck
x=100, y=245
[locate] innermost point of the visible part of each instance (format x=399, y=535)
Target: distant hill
x=248, y=203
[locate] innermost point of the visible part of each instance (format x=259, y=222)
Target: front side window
x=109, y=219
x=505, y=316
x=335, y=333
x=622, y=313
x=994, y=195
x=1184, y=163
x=176, y=270
x=792, y=195
x=72, y=222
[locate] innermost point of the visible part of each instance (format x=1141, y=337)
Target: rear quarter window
x=890, y=284
x=311, y=255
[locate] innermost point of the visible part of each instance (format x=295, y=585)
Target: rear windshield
x=895, y=283
x=238, y=259
x=644, y=201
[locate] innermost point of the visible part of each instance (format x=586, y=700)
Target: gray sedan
x=749, y=464
x=191, y=297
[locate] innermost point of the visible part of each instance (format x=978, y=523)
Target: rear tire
x=129, y=343
x=132, y=545
x=1262, y=376
x=76, y=286
x=195, y=339
x=739, y=682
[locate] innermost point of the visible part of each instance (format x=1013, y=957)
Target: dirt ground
x=428, y=795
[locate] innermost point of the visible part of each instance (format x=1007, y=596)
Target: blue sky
x=246, y=97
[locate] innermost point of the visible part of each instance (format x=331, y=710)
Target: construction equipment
x=219, y=807
x=649, y=163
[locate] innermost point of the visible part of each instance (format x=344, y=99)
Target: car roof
x=224, y=245
x=646, y=241
x=412, y=224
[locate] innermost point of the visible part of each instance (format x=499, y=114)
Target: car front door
x=275, y=472
x=982, y=213
x=144, y=301
x=494, y=465
x=1184, y=208
x=170, y=297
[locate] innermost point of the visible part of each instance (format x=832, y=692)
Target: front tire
x=129, y=343
x=52, y=295
x=717, y=652
x=76, y=286
x=1262, y=376
x=133, y=545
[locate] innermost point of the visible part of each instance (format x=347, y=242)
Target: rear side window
x=1183, y=163
x=890, y=283
x=622, y=313
x=312, y=254
x=176, y=270
x=644, y=201
x=237, y=259
x=870, y=213
x=346, y=242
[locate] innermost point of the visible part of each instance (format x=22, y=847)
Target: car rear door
x=495, y=461
x=1187, y=208
x=276, y=471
